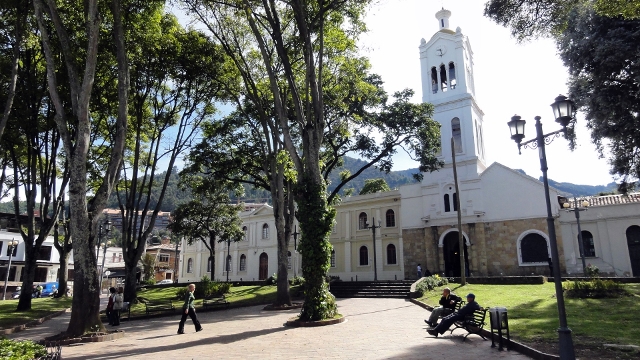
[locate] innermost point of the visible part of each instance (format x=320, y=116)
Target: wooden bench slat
x=159, y=305
x=473, y=323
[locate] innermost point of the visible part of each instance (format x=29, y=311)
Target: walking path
x=375, y=329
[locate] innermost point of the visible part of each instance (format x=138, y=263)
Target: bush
x=594, y=288
x=592, y=271
x=21, y=350
x=149, y=282
x=429, y=283
x=297, y=280
x=206, y=287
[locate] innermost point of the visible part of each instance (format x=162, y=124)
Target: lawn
x=533, y=313
x=39, y=308
x=237, y=296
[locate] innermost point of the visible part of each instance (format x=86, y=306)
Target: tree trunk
x=130, y=282
x=29, y=274
x=315, y=219
x=62, y=278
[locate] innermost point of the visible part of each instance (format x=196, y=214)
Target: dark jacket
x=188, y=301
x=468, y=309
x=445, y=302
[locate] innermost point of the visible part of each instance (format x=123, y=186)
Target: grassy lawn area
x=39, y=308
x=237, y=296
x=533, y=313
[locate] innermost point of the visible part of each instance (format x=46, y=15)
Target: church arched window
x=447, y=204
x=456, y=133
x=452, y=76
x=443, y=78
x=434, y=80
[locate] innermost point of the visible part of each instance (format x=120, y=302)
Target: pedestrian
x=118, y=299
x=189, y=309
x=419, y=271
x=448, y=320
x=38, y=290
x=109, y=311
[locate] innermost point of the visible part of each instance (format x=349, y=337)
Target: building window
x=456, y=133
x=209, y=265
x=243, y=262
x=14, y=250
x=44, y=253
x=245, y=231
x=190, y=265
x=448, y=197
x=167, y=276
x=587, y=244
x=434, y=80
x=289, y=260
x=391, y=254
x=533, y=248
x=265, y=231
x=391, y=218
x=443, y=78
x=228, y=263
x=333, y=258
x=447, y=204
x=452, y=75
x=164, y=257
x=364, y=256
x=362, y=221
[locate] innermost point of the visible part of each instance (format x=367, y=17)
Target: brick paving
x=375, y=329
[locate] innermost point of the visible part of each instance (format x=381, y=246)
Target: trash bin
x=499, y=322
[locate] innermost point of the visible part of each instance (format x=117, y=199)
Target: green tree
x=291, y=50
x=148, y=266
x=374, y=185
x=600, y=53
x=628, y=9
x=209, y=217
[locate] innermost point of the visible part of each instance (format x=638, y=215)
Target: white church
x=386, y=235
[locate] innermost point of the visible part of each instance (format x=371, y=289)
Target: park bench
x=472, y=323
x=448, y=311
x=159, y=305
x=215, y=301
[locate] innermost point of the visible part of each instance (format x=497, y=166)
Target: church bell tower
x=446, y=62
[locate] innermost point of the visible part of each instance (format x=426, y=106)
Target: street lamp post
x=10, y=246
x=295, y=248
x=576, y=210
x=227, y=261
x=373, y=228
x=107, y=229
x=563, y=110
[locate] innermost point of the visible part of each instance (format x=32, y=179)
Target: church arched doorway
x=633, y=241
x=264, y=267
x=451, y=253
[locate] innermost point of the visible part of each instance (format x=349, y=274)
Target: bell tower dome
x=446, y=63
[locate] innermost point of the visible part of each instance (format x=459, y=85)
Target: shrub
x=592, y=271
x=149, y=282
x=594, y=288
x=297, y=280
x=181, y=293
x=429, y=283
x=21, y=350
x=272, y=280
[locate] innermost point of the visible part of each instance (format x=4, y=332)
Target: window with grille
x=190, y=265
x=391, y=254
x=243, y=263
x=391, y=218
x=265, y=231
x=333, y=258
x=362, y=221
x=364, y=256
x=289, y=260
x=587, y=244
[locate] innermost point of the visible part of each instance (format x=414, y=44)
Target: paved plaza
x=375, y=329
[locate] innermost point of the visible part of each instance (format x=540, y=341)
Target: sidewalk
x=375, y=329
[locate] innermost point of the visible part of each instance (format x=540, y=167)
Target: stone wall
x=493, y=250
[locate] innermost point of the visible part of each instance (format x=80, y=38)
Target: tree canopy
x=374, y=185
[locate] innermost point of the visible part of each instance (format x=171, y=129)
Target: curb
x=511, y=344
x=36, y=322
x=85, y=339
x=296, y=323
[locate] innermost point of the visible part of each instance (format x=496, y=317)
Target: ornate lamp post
x=107, y=229
x=373, y=228
x=576, y=210
x=10, y=247
x=295, y=247
x=563, y=110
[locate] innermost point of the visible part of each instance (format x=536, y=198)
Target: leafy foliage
x=594, y=288
x=206, y=287
x=20, y=350
x=429, y=283
x=374, y=185
x=600, y=53
x=592, y=271
x=628, y=9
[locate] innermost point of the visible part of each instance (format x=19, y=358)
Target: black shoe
x=427, y=321
x=180, y=332
x=198, y=330
x=432, y=332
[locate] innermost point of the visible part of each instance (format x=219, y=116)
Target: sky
x=510, y=78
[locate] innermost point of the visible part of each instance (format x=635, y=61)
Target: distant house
x=165, y=254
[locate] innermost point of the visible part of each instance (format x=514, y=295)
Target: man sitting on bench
x=448, y=320
x=447, y=306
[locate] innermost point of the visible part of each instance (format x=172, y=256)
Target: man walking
x=419, y=271
x=446, y=323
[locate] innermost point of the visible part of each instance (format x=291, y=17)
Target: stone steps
x=371, y=289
